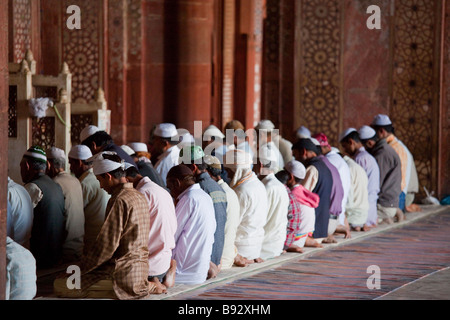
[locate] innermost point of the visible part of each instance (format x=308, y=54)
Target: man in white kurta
x=164, y=135
x=266, y=145
x=233, y=218
x=167, y=161
x=195, y=235
x=196, y=225
x=278, y=207
x=357, y=208
x=253, y=202
x=230, y=254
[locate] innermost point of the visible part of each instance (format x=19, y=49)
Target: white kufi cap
x=265, y=125
x=87, y=132
x=55, y=153
x=346, y=133
x=381, y=120
x=138, y=146
x=213, y=131
x=296, y=168
x=129, y=151
x=166, y=130
x=80, y=152
x=303, y=133
x=366, y=133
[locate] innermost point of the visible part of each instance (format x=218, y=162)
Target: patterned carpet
x=403, y=255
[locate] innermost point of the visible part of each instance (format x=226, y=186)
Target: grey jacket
x=390, y=174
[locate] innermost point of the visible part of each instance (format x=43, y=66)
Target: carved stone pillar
x=248, y=64
x=188, y=28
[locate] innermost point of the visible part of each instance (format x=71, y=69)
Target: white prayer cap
x=55, y=153
x=80, y=152
x=346, y=133
x=238, y=159
x=381, y=120
x=265, y=125
x=166, y=130
x=138, y=146
x=303, y=133
x=366, y=133
x=102, y=165
x=129, y=151
x=212, y=131
x=87, y=132
x=296, y=168
x=187, y=139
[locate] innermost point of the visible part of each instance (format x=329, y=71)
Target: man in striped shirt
x=116, y=266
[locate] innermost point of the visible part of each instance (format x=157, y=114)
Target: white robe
x=344, y=172
x=166, y=161
x=253, y=202
x=231, y=226
x=270, y=148
x=357, y=208
x=277, y=218
x=194, y=238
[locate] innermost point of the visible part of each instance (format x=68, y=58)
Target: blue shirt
x=219, y=198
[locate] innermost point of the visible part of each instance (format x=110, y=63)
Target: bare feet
x=295, y=249
x=240, y=261
x=345, y=230
x=330, y=239
x=387, y=221
x=169, y=279
x=156, y=287
x=400, y=215
x=365, y=228
x=311, y=243
x=213, y=270
x=413, y=208
x=258, y=260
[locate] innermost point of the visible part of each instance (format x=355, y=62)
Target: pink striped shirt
x=163, y=225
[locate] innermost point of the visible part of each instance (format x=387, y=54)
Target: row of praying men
x=139, y=220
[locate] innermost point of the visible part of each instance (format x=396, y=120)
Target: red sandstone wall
x=366, y=62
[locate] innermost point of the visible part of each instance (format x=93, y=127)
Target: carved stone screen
x=12, y=112
x=415, y=85
x=81, y=50
x=43, y=131
x=320, y=62
x=78, y=123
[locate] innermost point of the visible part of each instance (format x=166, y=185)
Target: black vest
x=323, y=189
x=48, y=232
